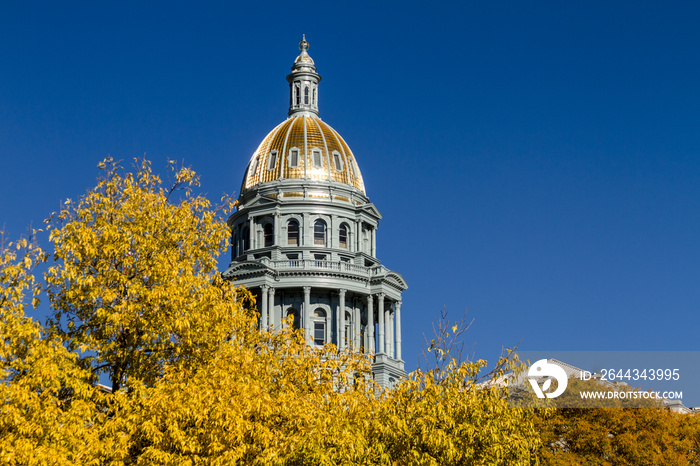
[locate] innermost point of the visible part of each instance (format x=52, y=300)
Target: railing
x=338, y=266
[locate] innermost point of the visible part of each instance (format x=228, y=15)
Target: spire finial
x=303, y=45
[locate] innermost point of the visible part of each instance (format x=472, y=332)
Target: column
x=380, y=314
x=341, y=320
x=271, y=308
x=398, y=329
x=387, y=333
x=370, y=323
x=356, y=321
x=390, y=334
x=263, y=308
x=306, y=320
x=276, y=229
x=306, y=235
x=374, y=242
x=251, y=233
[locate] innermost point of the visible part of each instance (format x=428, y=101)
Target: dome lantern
x=303, y=83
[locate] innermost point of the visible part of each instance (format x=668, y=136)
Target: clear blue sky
x=536, y=163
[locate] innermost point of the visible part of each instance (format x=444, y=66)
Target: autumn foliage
x=136, y=298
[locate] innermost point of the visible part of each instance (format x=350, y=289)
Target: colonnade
x=388, y=321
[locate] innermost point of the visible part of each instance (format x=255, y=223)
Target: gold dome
x=303, y=147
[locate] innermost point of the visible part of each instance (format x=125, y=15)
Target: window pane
x=343, y=236
x=254, y=166
x=268, y=234
x=336, y=161
x=320, y=233
x=294, y=158
x=319, y=333
x=293, y=233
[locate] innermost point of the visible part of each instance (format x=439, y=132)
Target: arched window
x=306, y=95
x=320, y=233
x=297, y=93
x=319, y=327
x=268, y=232
x=293, y=233
x=246, y=238
x=294, y=314
x=343, y=236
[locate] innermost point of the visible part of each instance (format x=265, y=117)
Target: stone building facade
x=304, y=237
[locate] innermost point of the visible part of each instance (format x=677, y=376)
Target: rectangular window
x=337, y=162
x=352, y=167
x=272, y=160
x=319, y=333
x=317, y=158
x=254, y=166
x=293, y=158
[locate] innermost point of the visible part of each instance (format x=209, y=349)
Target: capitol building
x=304, y=237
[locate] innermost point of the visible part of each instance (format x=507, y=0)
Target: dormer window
x=352, y=167
x=254, y=166
x=293, y=157
x=272, y=160
x=316, y=158
x=337, y=161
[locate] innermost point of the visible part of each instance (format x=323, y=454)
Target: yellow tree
x=643, y=434
x=445, y=417
x=264, y=398
x=134, y=283
x=50, y=412
x=135, y=293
